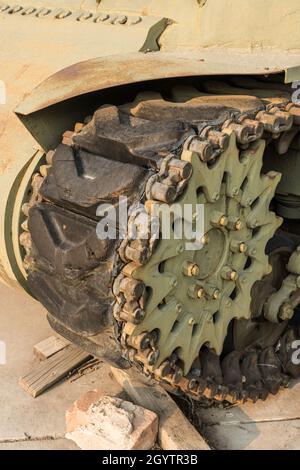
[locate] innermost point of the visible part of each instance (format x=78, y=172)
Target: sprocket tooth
x=270, y=368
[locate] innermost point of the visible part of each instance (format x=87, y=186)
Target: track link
x=84, y=283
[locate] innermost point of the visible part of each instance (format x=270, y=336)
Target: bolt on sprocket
x=194, y=294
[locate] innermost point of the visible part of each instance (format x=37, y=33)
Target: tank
x=149, y=183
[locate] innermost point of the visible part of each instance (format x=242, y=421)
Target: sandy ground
x=28, y=423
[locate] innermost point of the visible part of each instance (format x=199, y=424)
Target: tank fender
x=70, y=93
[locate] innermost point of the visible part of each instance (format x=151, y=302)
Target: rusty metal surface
x=106, y=72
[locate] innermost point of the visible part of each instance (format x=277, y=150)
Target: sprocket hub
x=193, y=294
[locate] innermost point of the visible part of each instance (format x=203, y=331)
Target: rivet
x=28, y=11
x=191, y=321
x=15, y=9
x=101, y=18
x=42, y=12
x=63, y=14
x=134, y=20
x=84, y=16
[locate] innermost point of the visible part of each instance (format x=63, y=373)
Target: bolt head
x=234, y=275
x=239, y=225
x=191, y=321
x=201, y=293
x=195, y=270
x=216, y=294
x=190, y=269
x=243, y=248
x=223, y=221
x=205, y=239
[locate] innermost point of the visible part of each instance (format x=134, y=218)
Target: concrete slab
x=283, y=406
x=276, y=435
x=28, y=423
x=44, y=444
x=22, y=324
x=273, y=424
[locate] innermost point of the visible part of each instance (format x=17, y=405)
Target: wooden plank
x=50, y=371
x=175, y=431
x=49, y=346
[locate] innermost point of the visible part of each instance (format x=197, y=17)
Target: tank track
x=251, y=115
